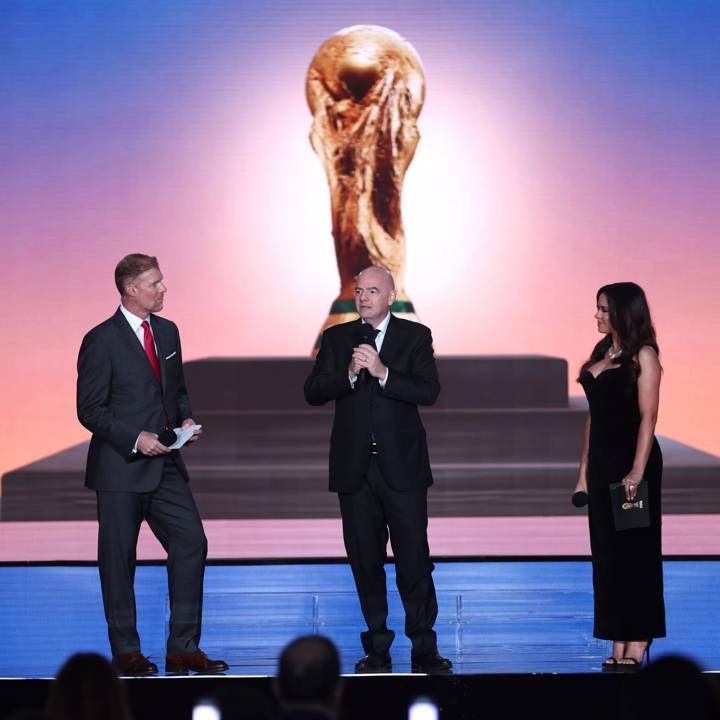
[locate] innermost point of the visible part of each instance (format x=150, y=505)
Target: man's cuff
x=134, y=450
x=385, y=379
x=353, y=380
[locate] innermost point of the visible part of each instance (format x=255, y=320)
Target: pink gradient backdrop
x=547, y=167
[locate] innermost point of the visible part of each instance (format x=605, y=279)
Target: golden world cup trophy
x=365, y=88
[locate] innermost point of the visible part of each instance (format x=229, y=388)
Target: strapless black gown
x=627, y=564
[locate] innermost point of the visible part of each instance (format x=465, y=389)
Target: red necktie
x=150, y=349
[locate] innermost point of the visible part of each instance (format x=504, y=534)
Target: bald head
x=374, y=294
x=377, y=274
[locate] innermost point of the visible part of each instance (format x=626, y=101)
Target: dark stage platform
x=383, y=697
x=504, y=441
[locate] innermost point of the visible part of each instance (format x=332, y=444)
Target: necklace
x=614, y=354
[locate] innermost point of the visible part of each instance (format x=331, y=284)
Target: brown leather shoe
x=135, y=664
x=198, y=661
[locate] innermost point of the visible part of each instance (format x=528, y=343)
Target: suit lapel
x=391, y=341
x=160, y=345
x=130, y=338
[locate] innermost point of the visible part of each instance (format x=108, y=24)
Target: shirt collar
x=134, y=320
x=382, y=327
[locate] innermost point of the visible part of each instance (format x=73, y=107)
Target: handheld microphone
x=365, y=336
x=580, y=499
x=167, y=437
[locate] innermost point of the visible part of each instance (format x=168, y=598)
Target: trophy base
x=342, y=311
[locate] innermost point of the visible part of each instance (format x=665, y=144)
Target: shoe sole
x=626, y=668
x=374, y=671
x=184, y=670
x=437, y=671
x=145, y=673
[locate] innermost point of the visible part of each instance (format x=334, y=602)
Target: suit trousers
x=369, y=516
x=172, y=515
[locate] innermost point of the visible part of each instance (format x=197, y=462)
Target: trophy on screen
x=365, y=88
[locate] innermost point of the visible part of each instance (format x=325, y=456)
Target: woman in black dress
x=621, y=379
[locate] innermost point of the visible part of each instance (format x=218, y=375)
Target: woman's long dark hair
x=629, y=316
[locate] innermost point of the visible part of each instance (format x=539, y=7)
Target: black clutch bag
x=628, y=515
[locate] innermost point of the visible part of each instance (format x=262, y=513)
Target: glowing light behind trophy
x=365, y=88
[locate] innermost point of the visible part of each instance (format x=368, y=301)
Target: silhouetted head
x=309, y=674
x=87, y=688
x=674, y=687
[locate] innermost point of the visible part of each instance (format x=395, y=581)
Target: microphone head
x=364, y=334
x=167, y=437
x=580, y=499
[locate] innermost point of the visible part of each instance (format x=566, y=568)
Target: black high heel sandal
x=610, y=665
x=634, y=665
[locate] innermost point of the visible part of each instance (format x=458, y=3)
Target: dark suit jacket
x=118, y=396
x=390, y=413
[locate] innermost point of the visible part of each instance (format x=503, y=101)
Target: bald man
x=378, y=369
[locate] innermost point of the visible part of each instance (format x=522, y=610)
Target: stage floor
x=496, y=617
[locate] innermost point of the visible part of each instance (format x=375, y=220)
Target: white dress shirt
x=136, y=325
x=379, y=338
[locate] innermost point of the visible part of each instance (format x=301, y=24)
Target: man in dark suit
x=378, y=369
x=130, y=388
